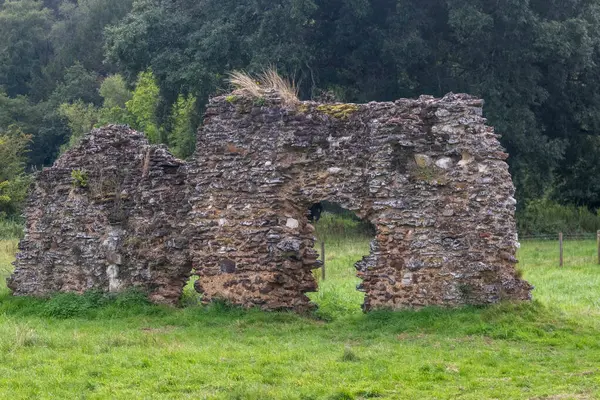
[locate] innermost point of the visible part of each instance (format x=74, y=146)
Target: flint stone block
x=292, y=223
x=444, y=163
x=423, y=160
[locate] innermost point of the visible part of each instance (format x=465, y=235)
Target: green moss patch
x=339, y=111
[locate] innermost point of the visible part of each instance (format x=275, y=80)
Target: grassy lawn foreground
x=74, y=348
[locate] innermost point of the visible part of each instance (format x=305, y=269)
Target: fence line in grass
x=562, y=238
x=576, y=236
x=323, y=259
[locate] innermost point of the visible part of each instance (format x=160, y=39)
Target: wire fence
x=564, y=249
x=558, y=249
x=554, y=237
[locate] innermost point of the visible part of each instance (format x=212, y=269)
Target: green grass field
x=92, y=348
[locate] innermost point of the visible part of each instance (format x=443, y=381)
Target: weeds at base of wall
x=69, y=305
x=89, y=305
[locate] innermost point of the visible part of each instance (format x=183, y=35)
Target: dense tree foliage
x=154, y=63
x=182, y=133
x=24, y=34
x=142, y=107
x=45, y=60
x=534, y=62
x=13, y=180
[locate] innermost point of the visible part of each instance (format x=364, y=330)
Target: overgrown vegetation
x=13, y=180
x=10, y=229
x=69, y=65
x=97, y=345
x=80, y=178
x=544, y=217
x=137, y=108
x=340, y=111
x=267, y=80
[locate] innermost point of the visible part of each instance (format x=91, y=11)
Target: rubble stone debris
x=115, y=212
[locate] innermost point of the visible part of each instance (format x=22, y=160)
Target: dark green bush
x=546, y=217
x=10, y=229
x=70, y=305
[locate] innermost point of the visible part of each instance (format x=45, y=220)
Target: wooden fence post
x=598, y=244
x=560, y=244
x=323, y=259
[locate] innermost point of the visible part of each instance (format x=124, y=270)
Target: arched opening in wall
x=189, y=295
x=346, y=239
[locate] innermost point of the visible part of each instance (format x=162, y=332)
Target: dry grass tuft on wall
x=246, y=83
x=268, y=80
x=287, y=89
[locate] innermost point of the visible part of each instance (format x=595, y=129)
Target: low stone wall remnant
x=109, y=215
x=116, y=212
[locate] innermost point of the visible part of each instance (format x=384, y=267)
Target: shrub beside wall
x=10, y=229
x=547, y=217
x=338, y=224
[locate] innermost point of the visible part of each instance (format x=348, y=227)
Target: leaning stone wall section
x=427, y=173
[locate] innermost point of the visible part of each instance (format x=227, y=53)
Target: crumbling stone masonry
x=427, y=173
x=107, y=216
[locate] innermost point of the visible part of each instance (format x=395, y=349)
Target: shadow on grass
x=530, y=322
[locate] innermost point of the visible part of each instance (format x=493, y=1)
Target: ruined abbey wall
x=427, y=173
x=115, y=223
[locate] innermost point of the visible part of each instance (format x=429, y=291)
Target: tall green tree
x=143, y=106
x=13, y=180
x=77, y=36
x=182, y=136
x=115, y=93
x=78, y=84
x=191, y=46
x=24, y=44
x=82, y=118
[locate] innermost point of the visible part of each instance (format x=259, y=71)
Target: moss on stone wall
x=340, y=111
x=429, y=174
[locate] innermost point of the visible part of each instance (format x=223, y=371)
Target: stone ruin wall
x=427, y=173
x=118, y=226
